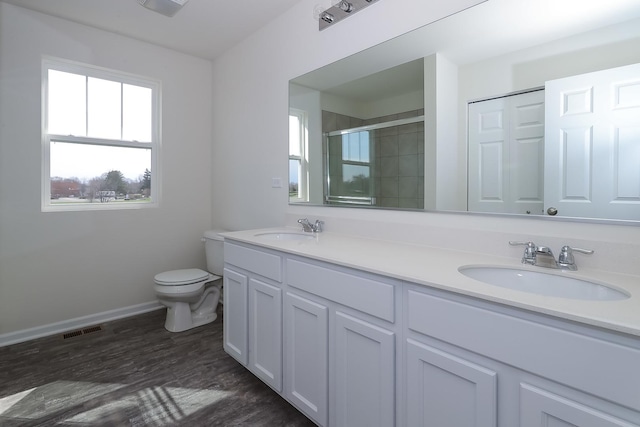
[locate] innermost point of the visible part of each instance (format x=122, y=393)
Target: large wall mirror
x=527, y=107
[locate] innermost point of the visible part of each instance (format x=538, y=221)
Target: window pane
x=104, y=109
x=136, y=114
x=294, y=135
x=294, y=177
x=82, y=173
x=364, y=147
x=67, y=103
x=355, y=147
x=355, y=180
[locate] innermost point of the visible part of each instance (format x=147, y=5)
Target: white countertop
x=438, y=268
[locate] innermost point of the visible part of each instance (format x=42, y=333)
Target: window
x=101, y=138
x=298, y=171
x=356, y=164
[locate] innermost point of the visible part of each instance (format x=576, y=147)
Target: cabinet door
x=364, y=378
x=446, y=391
x=265, y=332
x=235, y=315
x=306, y=352
x=540, y=408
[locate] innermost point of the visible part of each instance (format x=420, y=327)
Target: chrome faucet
x=316, y=227
x=542, y=256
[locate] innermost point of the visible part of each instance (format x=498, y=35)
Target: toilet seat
x=182, y=281
x=181, y=277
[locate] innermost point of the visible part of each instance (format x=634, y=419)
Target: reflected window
x=356, y=164
x=298, y=170
x=101, y=131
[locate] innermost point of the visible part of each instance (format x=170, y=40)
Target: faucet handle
x=566, y=259
x=529, y=256
x=515, y=243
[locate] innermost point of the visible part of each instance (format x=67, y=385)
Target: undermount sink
x=286, y=235
x=542, y=283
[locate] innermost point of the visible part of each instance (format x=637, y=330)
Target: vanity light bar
x=342, y=9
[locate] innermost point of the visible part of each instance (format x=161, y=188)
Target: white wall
x=57, y=266
x=250, y=134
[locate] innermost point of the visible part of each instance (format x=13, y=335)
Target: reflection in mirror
x=377, y=163
x=444, y=71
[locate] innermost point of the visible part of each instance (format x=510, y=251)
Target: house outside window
x=100, y=138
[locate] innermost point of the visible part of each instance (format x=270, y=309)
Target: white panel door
x=306, y=356
x=506, y=153
x=540, y=408
x=363, y=388
x=488, y=133
x=265, y=332
x=235, y=315
x=526, y=153
x=444, y=390
x=592, y=153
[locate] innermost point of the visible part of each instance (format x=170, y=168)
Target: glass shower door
x=350, y=168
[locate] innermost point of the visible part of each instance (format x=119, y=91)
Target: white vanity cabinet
x=471, y=363
x=352, y=348
x=253, y=311
x=340, y=344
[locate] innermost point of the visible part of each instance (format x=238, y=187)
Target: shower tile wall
x=399, y=157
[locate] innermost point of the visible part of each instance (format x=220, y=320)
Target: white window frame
x=303, y=179
x=49, y=63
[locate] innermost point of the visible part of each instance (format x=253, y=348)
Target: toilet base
x=182, y=316
x=180, y=319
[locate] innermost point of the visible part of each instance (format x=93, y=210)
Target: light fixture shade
x=165, y=7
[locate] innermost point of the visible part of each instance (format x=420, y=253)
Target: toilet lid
x=181, y=277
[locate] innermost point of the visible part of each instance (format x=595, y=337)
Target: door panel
x=235, y=315
x=540, y=408
x=364, y=384
x=593, y=144
x=506, y=154
x=265, y=333
x=447, y=391
x=306, y=351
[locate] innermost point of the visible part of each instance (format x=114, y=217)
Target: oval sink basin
x=286, y=235
x=541, y=283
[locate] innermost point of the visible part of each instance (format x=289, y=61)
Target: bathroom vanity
x=364, y=332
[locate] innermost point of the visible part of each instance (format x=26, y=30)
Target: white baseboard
x=78, y=322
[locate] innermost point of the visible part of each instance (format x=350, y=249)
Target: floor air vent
x=81, y=332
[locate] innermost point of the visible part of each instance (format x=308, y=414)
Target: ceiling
x=203, y=28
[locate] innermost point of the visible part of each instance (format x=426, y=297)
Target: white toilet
x=191, y=295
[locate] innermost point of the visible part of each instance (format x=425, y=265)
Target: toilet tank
x=214, y=249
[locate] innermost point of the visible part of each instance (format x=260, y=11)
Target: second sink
x=541, y=283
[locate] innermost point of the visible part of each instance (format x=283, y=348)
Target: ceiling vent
x=165, y=7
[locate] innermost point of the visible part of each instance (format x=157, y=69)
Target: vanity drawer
x=587, y=363
x=257, y=261
x=349, y=289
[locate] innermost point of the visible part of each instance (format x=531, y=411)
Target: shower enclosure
x=379, y=165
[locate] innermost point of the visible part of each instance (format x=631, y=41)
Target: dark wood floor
x=135, y=373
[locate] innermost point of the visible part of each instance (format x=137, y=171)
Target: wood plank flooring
x=135, y=373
